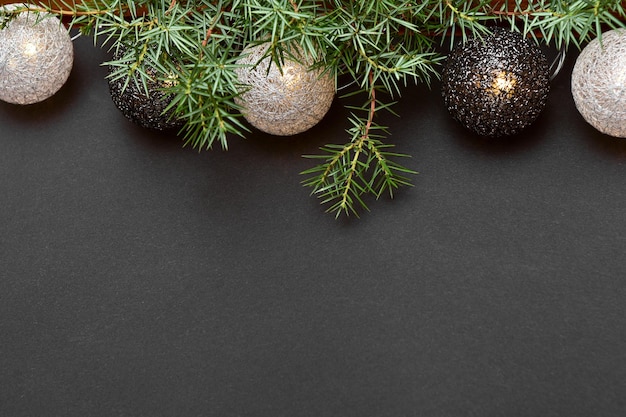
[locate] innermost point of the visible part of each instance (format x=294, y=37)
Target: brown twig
x=294, y=5
x=205, y=41
x=372, y=112
x=209, y=31
x=61, y=12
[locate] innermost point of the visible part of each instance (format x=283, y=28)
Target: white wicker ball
x=286, y=103
x=599, y=83
x=36, y=57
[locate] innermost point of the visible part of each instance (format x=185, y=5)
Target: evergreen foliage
x=379, y=46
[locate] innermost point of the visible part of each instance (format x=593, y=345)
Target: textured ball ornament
x=599, y=83
x=36, y=57
x=496, y=86
x=147, y=111
x=286, y=103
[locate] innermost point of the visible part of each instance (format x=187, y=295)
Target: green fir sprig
x=361, y=167
x=380, y=47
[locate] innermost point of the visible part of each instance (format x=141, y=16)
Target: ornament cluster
x=494, y=85
x=280, y=100
x=498, y=85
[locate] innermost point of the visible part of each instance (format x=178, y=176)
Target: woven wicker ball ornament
x=496, y=86
x=286, y=103
x=599, y=83
x=36, y=57
x=146, y=110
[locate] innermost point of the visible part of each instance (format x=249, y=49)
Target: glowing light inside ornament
x=291, y=77
x=503, y=83
x=30, y=48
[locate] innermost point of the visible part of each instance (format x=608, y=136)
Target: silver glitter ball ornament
x=286, y=103
x=36, y=57
x=496, y=86
x=599, y=83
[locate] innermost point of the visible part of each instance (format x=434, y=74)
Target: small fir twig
x=362, y=166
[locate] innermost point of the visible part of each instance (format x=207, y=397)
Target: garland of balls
x=495, y=86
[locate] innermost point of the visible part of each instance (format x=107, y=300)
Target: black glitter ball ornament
x=496, y=86
x=146, y=110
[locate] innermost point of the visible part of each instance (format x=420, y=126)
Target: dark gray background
x=139, y=278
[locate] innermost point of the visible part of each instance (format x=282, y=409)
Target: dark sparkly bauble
x=145, y=110
x=496, y=86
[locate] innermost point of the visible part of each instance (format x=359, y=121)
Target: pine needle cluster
x=378, y=46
